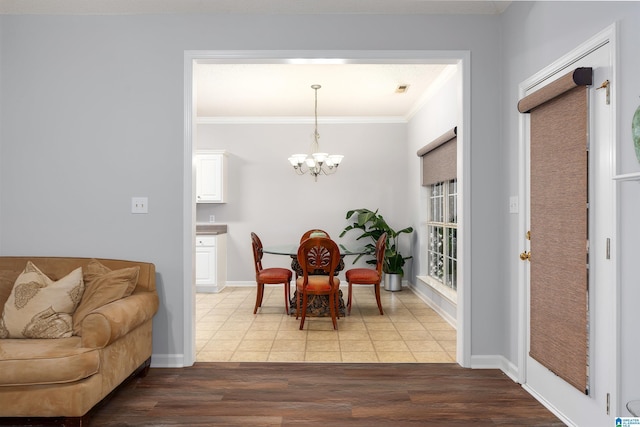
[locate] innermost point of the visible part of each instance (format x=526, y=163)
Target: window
x=442, y=230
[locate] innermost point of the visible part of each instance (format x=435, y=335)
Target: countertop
x=207, y=228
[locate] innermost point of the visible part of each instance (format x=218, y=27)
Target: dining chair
x=268, y=276
x=316, y=232
x=368, y=276
x=319, y=257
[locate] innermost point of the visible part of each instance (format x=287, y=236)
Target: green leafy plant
x=372, y=225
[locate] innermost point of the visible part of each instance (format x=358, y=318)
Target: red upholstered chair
x=319, y=257
x=316, y=233
x=369, y=276
x=268, y=276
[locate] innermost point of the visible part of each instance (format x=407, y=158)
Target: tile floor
x=409, y=331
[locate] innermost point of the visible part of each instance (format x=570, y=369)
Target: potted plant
x=372, y=225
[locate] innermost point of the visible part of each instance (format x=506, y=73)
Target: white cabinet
x=211, y=182
x=211, y=262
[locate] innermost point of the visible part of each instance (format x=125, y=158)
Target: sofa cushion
x=7, y=280
x=45, y=361
x=102, y=286
x=38, y=307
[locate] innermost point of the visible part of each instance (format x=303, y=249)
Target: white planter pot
x=392, y=282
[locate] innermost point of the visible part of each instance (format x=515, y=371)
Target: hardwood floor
x=306, y=394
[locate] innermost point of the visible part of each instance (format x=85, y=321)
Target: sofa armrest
x=106, y=324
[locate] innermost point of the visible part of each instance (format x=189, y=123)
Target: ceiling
x=361, y=92
x=255, y=92
x=102, y=7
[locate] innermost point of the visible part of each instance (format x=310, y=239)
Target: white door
x=572, y=405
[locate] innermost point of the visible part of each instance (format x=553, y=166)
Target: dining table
x=317, y=305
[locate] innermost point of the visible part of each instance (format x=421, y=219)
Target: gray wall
x=267, y=197
x=92, y=114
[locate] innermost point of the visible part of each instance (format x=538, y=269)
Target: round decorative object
x=635, y=132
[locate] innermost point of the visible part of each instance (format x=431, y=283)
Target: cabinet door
x=205, y=260
x=210, y=178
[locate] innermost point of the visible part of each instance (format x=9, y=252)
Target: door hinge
x=608, y=403
x=608, y=248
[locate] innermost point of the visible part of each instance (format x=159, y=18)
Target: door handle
x=525, y=256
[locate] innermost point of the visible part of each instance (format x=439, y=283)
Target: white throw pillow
x=38, y=307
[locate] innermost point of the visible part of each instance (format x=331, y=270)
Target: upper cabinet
x=211, y=176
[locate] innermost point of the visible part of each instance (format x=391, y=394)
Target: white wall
x=91, y=114
x=535, y=35
x=267, y=197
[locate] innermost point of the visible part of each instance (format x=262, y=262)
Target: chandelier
x=315, y=163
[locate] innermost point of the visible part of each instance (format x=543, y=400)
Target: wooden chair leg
x=377, y=286
x=304, y=310
x=286, y=297
x=332, y=307
x=349, y=300
x=259, y=295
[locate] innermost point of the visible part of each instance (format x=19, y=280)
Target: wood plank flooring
x=338, y=394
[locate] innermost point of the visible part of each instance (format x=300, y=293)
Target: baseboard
x=419, y=290
x=511, y=370
x=167, y=361
x=544, y=402
x=243, y=284
x=495, y=362
x=209, y=289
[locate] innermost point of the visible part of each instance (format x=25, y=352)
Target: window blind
x=439, y=158
x=559, y=226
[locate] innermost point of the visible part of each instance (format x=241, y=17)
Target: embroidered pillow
x=102, y=286
x=38, y=307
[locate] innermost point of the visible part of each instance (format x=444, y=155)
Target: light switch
x=139, y=205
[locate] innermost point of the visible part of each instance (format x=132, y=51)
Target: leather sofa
x=64, y=378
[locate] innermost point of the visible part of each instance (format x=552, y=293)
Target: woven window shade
x=559, y=226
x=439, y=158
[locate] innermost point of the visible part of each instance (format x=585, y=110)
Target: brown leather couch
x=66, y=377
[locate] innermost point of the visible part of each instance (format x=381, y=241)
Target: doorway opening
x=460, y=58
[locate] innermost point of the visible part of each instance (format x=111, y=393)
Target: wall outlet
x=212, y=218
x=139, y=205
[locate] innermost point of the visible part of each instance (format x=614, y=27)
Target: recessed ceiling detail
x=282, y=90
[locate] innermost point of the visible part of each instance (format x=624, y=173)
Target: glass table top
x=292, y=250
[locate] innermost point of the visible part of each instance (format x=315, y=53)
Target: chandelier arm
x=329, y=170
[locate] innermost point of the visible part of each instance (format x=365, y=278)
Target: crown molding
x=300, y=120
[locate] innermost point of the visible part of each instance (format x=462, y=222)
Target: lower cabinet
x=211, y=262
